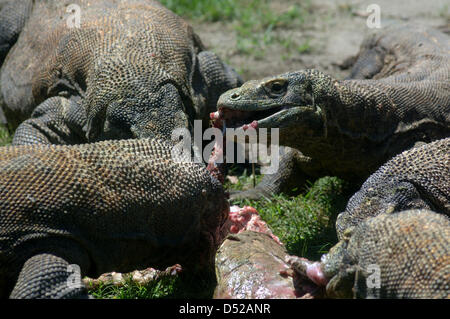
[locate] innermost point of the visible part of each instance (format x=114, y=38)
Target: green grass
x=253, y=21
x=245, y=178
x=204, y=10
x=304, y=223
x=444, y=12
x=183, y=286
x=156, y=289
x=165, y=287
x=5, y=136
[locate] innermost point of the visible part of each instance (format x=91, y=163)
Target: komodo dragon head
x=284, y=101
x=139, y=99
x=396, y=255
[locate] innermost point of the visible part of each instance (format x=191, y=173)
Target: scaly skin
x=415, y=179
x=398, y=222
x=400, y=255
x=133, y=69
x=399, y=95
x=410, y=248
x=106, y=206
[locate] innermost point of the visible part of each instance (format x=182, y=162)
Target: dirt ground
x=335, y=33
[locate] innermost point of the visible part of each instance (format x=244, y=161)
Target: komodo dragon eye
x=276, y=88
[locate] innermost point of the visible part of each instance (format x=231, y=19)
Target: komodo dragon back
x=106, y=206
x=417, y=178
x=398, y=255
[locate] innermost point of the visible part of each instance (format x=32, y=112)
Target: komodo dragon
x=398, y=96
x=132, y=69
x=415, y=179
x=411, y=248
x=105, y=206
x=399, y=255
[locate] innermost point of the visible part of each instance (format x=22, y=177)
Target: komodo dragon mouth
x=244, y=119
x=227, y=118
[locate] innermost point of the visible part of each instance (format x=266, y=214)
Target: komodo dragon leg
x=57, y=120
x=415, y=179
x=292, y=172
x=54, y=270
x=398, y=255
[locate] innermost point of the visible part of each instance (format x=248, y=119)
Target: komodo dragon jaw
x=284, y=101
